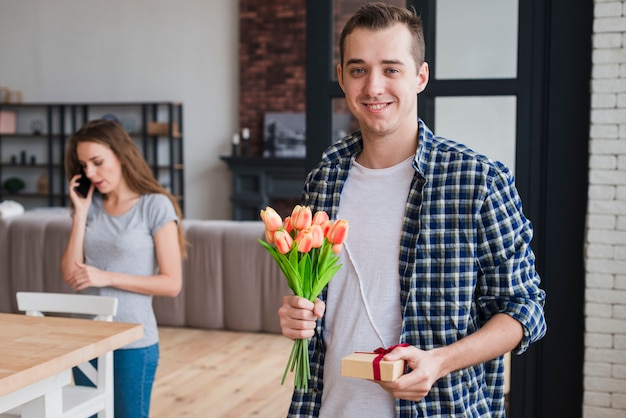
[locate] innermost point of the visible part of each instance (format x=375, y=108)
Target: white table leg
x=39, y=400
x=49, y=405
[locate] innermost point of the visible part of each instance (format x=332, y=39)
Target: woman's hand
x=84, y=276
x=298, y=316
x=80, y=203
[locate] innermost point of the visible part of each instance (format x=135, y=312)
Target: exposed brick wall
x=272, y=39
x=605, y=301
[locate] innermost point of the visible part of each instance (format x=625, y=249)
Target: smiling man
x=438, y=256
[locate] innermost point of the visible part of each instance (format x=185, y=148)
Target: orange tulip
x=326, y=226
x=301, y=217
x=337, y=248
x=269, y=236
x=287, y=225
x=338, y=232
x=304, y=240
x=320, y=217
x=283, y=241
x=317, y=236
x=271, y=219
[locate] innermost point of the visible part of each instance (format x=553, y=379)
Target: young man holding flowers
x=438, y=255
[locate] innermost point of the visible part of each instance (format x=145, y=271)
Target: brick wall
x=605, y=301
x=272, y=39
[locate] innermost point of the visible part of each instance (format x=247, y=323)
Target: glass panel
x=485, y=124
x=343, y=121
x=476, y=39
x=342, y=10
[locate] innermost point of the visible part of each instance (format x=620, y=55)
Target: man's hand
x=298, y=316
x=425, y=371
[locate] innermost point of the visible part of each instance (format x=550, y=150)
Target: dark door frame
x=552, y=87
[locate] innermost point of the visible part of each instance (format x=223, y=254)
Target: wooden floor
x=220, y=374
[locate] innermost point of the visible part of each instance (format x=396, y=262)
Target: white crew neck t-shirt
x=363, y=310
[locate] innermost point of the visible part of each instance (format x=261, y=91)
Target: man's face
x=381, y=80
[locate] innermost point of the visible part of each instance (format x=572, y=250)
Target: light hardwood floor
x=221, y=374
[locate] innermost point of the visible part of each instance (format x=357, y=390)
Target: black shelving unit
x=34, y=152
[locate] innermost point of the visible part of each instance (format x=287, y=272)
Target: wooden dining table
x=38, y=353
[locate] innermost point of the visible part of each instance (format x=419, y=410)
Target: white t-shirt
x=363, y=310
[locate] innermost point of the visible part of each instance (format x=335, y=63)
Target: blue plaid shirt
x=464, y=256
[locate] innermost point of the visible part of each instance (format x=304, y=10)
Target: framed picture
x=284, y=135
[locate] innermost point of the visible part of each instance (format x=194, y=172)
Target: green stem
x=299, y=363
x=291, y=361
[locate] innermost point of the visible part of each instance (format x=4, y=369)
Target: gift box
x=372, y=366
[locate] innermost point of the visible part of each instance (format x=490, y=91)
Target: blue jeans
x=133, y=375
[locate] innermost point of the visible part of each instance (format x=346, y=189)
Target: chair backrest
x=80, y=401
x=38, y=303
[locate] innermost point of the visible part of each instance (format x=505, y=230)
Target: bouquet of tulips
x=305, y=246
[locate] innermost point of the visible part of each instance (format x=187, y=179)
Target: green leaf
x=289, y=270
x=304, y=267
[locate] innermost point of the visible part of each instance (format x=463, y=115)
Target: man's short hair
x=381, y=16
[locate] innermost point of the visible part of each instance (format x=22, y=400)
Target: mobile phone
x=83, y=184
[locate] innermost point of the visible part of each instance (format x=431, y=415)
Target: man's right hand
x=298, y=316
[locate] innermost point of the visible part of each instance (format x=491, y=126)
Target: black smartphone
x=83, y=184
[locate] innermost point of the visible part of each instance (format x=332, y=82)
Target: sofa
x=230, y=282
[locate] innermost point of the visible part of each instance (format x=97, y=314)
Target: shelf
x=58, y=121
x=22, y=195
x=43, y=136
x=28, y=165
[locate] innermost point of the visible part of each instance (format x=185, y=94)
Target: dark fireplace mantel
x=259, y=182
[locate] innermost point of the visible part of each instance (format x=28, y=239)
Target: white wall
x=139, y=50
x=605, y=297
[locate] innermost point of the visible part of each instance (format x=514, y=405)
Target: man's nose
x=374, y=84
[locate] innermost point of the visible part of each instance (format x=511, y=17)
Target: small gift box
x=372, y=366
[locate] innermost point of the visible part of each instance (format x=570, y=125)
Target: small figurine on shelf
x=37, y=127
x=245, y=138
x=235, y=145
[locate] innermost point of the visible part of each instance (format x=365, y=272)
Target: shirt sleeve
x=508, y=282
x=160, y=211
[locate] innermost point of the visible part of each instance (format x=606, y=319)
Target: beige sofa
x=230, y=281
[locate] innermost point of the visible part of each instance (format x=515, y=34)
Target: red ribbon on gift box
x=381, y=351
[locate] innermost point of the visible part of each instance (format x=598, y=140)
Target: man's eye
x=392, y=70
x=358, y=71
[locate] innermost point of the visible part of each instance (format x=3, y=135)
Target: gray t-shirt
x=125, y=244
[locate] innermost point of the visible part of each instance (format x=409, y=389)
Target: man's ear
x=340, y=77
x=422, y=77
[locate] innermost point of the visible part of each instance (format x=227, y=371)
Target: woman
x=126, y=241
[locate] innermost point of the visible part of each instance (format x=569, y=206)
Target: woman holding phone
x=126, y=241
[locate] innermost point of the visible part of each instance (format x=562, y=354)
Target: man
x=438, y=254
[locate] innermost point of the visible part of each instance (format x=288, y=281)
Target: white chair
x=78, y=401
